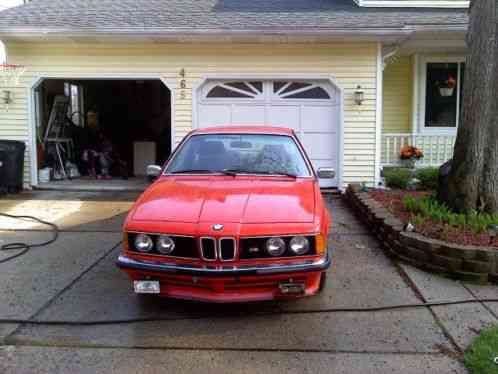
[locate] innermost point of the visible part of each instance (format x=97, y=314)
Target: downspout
x=378, y=113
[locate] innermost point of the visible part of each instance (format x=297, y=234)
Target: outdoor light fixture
x=493, y=232
x=6, y=97
x=359, y=95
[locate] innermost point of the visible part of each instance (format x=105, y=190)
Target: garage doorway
x=100, y=134
x=312, y=108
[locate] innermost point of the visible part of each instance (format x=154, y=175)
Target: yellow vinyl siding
x=348, y=65
x=397, y=97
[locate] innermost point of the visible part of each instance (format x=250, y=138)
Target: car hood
x=228, y=199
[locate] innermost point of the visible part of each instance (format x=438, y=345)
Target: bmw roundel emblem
x=218, y=227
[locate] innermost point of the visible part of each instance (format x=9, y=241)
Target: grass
x=429, y=208
x=479, y=358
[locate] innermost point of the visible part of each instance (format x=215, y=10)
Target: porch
x=437, y=148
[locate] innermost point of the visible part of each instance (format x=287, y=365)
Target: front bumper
x=299, y=266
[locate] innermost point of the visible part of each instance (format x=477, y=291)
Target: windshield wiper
x=186, y=171
x=207, y=171
x=234, y=172
x=278, y=173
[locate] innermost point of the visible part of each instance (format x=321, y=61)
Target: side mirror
x=153, y=171
x=326, y=173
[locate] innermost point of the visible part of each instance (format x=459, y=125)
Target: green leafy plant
x=398, y=178
x=480, y=356
x=428, y=178
x=418, y=220
x=430, y=208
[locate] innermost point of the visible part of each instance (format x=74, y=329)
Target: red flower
x=409, y=152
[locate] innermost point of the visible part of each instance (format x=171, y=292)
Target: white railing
x=437, y=148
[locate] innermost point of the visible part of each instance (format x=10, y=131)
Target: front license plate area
x=292, y=288
x=148, y=287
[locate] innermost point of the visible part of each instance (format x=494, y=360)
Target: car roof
x=245, y=130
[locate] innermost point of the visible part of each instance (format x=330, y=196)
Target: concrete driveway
x=76, y=279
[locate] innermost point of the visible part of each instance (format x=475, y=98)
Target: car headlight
x=299, y=245
x=275, y=246
x=143, y=243
x=165, y=245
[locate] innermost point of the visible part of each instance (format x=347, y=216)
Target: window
x=259, y=90
x=443, y=95
x=242, y=153
x=75, y=109
x=242, y=90
x=299, y=90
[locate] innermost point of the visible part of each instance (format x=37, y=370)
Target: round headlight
x=275, y=246
x=143, y=243
x=165, y=245
x=299, y=245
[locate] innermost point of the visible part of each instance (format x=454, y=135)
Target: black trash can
x=11, y=165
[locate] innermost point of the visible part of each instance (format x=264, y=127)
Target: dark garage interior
x=101, y=131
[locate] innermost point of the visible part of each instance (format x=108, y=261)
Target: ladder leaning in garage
x=55, y=132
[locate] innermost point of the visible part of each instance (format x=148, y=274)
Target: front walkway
x=76, y=279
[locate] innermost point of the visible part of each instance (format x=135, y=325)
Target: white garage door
x=311, y=108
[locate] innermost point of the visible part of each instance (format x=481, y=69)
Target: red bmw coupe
x=235, y=215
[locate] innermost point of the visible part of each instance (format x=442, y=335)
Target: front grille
x=185, y=246
x=208, y=249
x=227, y=249
x=256, y=247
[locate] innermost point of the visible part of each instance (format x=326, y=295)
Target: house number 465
x=183, y=84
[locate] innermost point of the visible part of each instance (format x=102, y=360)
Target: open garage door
x=101, y=134
x=311, y=108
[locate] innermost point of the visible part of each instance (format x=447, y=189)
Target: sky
x=4, y=4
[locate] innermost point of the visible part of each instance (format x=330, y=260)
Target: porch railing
x=437, y=148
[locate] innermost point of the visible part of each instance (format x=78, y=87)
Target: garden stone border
x=463, y=262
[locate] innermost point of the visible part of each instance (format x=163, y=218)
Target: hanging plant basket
x=446, y=91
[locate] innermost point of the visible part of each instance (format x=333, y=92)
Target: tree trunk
x=473, y=178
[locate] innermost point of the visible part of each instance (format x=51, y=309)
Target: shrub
x=480, y=356
x=428, y=178
x=397, y=178
x=430, y=208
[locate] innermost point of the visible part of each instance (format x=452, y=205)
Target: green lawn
x=480, y=356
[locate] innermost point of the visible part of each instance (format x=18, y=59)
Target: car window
x=244, y=153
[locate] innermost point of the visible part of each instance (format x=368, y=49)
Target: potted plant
x=409, y=155
x=447, y=87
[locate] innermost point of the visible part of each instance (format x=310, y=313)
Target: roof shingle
x=185, y=15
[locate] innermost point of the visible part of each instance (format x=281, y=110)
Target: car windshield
x=240, y=153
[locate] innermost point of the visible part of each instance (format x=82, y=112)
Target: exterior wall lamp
x=6, y=97
x=359, y=95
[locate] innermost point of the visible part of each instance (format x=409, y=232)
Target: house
x=356, y=79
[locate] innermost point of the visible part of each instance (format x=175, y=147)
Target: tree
x=473, y=178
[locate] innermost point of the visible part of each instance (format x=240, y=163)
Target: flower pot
x=408, y=163
x=446, y=91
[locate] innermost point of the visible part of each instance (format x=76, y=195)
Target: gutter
x=375, y=32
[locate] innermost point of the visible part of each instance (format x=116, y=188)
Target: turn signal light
x=125, y=241
x=320, y=244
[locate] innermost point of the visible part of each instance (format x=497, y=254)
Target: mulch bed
x=392, y=200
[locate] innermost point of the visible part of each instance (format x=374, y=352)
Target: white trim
x=168, y=82
x=422, y=91
x=413, y=3
x=197, y=99
x=32, y=140
x=378, y=113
